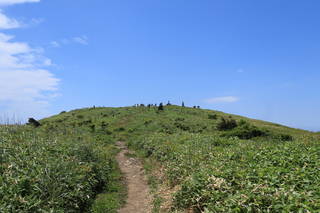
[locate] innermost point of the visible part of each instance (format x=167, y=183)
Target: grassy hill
x=200, y=160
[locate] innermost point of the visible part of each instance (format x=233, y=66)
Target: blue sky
x=254, y=58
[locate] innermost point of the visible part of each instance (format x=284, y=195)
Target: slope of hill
x=200, y=160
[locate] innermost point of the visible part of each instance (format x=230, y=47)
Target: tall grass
x=232, y=175
x=63, y=165
x=52, y=170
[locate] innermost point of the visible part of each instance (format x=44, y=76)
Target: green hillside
x=209, y=161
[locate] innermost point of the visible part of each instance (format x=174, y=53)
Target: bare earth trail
x=139, y=199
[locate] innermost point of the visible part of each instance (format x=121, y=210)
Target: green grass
x=113, y=198
x=68, y=163
x=59, y=169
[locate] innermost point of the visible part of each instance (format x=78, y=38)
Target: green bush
x=230, y=175
x=226, y=124
x=80, y=116
x=50, y=173
x=284, y=137
x=33, y=122
x=245, y=131
x=212, y=116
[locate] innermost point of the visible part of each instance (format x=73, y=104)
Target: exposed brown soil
x=139, y=198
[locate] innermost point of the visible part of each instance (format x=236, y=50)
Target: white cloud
x=8, y=23
x=81, y=40
x=23, y=80
x=226, y=99
x=11, y=2
x=26, y=86
x=54, y=44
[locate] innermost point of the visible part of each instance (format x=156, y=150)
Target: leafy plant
x=226, y=124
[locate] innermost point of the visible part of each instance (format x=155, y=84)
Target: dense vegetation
x=56, y=169
x=215, y=162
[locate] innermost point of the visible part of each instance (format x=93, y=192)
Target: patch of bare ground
x=163, y=189
x=139, y=199
x=165, y=192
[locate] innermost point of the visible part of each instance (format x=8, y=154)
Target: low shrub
x=217, y=174
x=33, y=122
x=226, y=124
x=120, y=129
x=80, y=116
x=284, y=137
x=48, y=172
x=245, y=131
x=212, y=116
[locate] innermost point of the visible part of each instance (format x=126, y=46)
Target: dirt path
x=139, y=199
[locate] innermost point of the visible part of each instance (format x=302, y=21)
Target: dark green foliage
x=226, y=124
x=92, y=127
x=33, y=122
x=182, y=126
x=108, y=132
x=245, y=131
x=80, y=116
x=180, y=119
x=212, y=116
x=284, y=137
x=242, y=122
x=120, y=129
x=104, y=125
x=147, y=122
x=52, y=172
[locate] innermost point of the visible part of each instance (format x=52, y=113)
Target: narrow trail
x=139, y=199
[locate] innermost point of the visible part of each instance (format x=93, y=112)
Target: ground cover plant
x=216, y=162
x=249, y=166
x=56, y=169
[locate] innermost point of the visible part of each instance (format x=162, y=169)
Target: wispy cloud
x=240, y=70
x=11, y=2
x=11, y=23
x=26, y=86
x=83, y=40
x=54, y=44
x=225, y=99
x=8, y=23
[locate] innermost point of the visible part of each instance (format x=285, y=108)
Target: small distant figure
x=168, y=104
x=160, y=108
x=194, y=107
x=198, y=107
x=182, y=104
